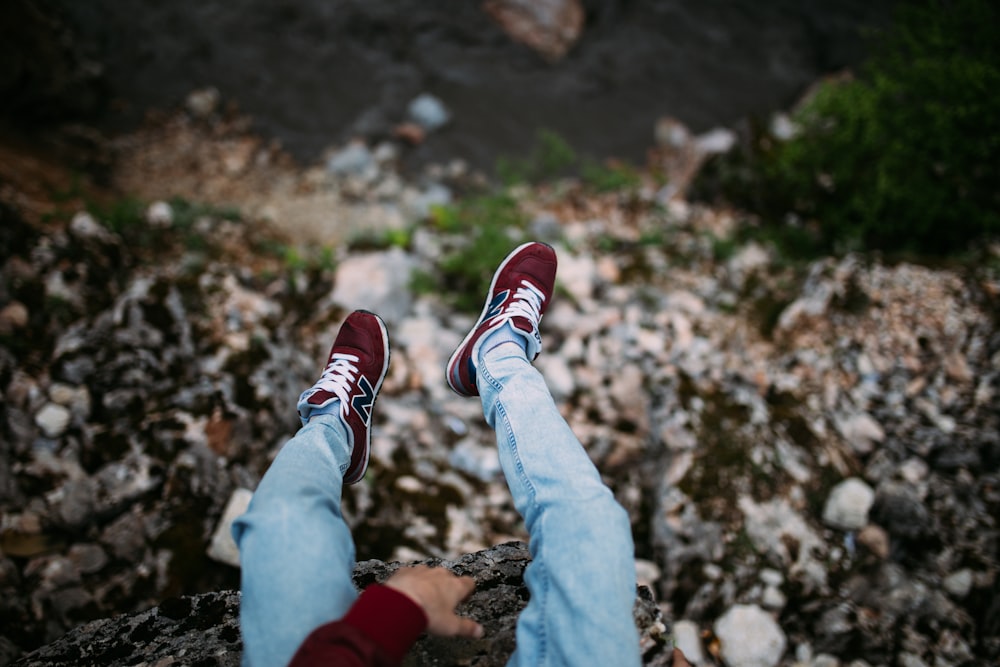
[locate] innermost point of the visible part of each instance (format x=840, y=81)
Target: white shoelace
x=527, y=303
x=338, y=377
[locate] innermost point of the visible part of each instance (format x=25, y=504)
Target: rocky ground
x=809, y=450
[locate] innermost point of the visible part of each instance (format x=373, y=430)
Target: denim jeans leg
x=582, y=575
x=296, y=552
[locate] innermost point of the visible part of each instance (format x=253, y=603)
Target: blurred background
x=314, y=74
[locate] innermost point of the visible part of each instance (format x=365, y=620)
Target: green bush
x=551, y=157
x=482, y=231
x=904, y=157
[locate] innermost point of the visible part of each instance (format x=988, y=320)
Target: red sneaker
x=519, y=294
x=353, y=375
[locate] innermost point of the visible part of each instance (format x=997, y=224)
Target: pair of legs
x=297, y=552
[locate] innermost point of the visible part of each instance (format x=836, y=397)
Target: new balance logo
x=363, y=402
x=496, y=304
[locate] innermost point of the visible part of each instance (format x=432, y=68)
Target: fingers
x=466, y=627
x=438, y=591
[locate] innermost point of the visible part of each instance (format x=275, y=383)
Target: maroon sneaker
x=353, y=375
x=519, y=294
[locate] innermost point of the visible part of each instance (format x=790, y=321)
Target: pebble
x=959, y=583
x=848, y=504
x=875, y=539
x=429, y=112
x=861, y=432
x=53, y=419
x=687, y=637
x=13, y=316
x=203, y=102
x=354, y=159
x=160, y=214
x=222, y=546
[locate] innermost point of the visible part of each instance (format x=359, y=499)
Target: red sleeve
x=377, y=631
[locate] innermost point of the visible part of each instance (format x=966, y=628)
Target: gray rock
x=428, y=112
x=475, y=459
x=378, y=282
x=353, y=160
x=204, y=629
x=899, y=509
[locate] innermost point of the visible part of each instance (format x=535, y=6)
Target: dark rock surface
x=204, y=629
x=316, y=73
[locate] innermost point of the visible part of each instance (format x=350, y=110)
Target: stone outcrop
x=204, y=629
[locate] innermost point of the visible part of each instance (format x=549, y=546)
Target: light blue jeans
x=297, y=553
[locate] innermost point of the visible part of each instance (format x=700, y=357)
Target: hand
x=438, y=592
x=679, y=660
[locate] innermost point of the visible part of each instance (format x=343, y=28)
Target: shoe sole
x=378, y=388
x=486, y=307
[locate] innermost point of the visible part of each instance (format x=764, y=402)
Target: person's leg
x=296, y=552
x=582, y=575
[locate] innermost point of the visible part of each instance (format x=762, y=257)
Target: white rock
x=861, y=432
x=848, y=504
x=84, y=226
x=558, y=376
x=479, y=461
x=687, y=638
x=772, y=525
x=223, y=547
x=53, y=419
x=773, y=598
x=717, y=140
x=771, y=577
x=203, y=102
x=783, y=127
x=958, y=584
x=379, y=282
x=160, y=214
x=647, y=573
x=577, y=274
x=750, y=637
x=428, y=111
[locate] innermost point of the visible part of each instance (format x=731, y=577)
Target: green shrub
x=904, y=157
x=482, y=230
x=551, y=157
x=609, y=177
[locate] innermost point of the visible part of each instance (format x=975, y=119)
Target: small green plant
x=609, y=177
x=551, y=157
x=382, y=239
x=483, y=230
x=186, y=213
x=123, y=216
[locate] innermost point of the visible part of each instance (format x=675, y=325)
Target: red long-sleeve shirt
x=377, y=631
